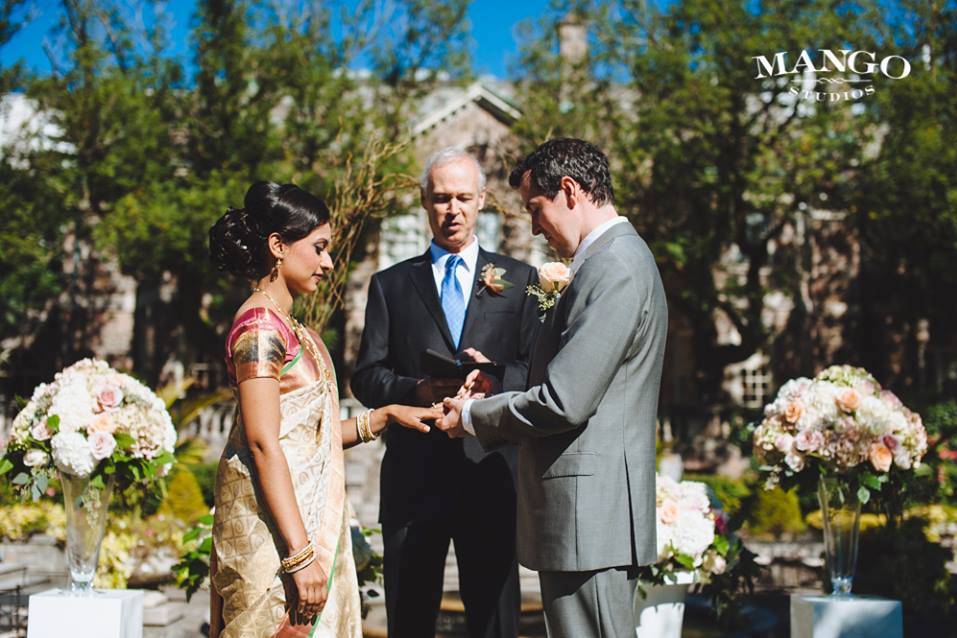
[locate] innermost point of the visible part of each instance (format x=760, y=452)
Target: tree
x=906, y=205
x=716, y=168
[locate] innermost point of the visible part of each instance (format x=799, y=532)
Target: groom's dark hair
x=578, y=159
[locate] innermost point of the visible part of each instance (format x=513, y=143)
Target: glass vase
x=86, y=512
x=841, y=512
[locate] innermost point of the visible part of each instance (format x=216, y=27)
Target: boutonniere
x=491, y=279
x=553, y=278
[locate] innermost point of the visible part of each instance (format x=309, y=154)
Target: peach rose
x=491, y=279
x=102, y=423
x=793, y=411
x=669, y=512
x=109, y=396
x=848, y=400
x=554, y=276
x=880, y=457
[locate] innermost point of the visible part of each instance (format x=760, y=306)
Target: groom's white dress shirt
x=577, y=261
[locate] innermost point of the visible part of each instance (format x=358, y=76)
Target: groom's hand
x=451, y=421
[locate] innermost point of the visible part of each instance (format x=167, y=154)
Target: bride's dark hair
x=237, y=241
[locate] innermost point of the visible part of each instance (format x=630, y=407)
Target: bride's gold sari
x=246, y=542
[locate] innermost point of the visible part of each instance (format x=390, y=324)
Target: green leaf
x=721, y=544
x=21, y=479
x=5, y=465
x=35, y=492
x=685, y=561
x=41, y=482
x=53, y=422
x=871, y=481
x=97, y=482
x=123, y=440
x=192, y=534
x=207, y=545
x=863, y=495
x=206, y=519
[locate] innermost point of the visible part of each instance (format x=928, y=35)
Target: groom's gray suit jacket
x=586, y=426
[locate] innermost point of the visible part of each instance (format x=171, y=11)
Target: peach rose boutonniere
x=553, y=278
x=491, y=278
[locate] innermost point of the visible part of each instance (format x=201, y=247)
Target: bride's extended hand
x=405, y=415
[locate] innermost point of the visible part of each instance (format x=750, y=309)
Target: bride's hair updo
x=237, y=241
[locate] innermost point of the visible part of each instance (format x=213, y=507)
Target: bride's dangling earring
x=275, y=271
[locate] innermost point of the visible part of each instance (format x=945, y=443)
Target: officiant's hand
x=476, y=386
x=476, y=356
x=451, y=421
x=429, y=391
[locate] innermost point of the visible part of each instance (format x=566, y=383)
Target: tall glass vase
x=841, y=511
x=86, y=513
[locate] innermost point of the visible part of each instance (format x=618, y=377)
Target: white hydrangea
x=74, y=404
x=694, y=496
x=71, y=453
x=692, y=534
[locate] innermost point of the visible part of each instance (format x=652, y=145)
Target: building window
x=749, y=383
x=403, y=236
x=756, y=384
x=489, y=229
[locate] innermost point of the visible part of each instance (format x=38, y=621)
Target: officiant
x=466, y=304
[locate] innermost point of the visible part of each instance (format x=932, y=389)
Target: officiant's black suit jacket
x=404, y=317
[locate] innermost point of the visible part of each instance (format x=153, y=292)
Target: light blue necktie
x=453, y=301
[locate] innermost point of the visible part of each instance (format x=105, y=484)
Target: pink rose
x=669, y=512
x=880, y=457
x=795, y=461
x=890, y=441
x=109, y=396
x=554, y=276
x=41, y=432
x=891, y=399
x=720, y=523
x=848, y=400
x=784, y=443
x=102, y=445
x=809, y=440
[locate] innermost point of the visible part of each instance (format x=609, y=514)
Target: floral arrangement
x=694, y=537
x=553, y=278
x=95, y=422
x=840, y=423
x=690, y=530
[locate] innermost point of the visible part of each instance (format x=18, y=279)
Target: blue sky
x=493, y=32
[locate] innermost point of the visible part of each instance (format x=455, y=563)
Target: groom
x=586, y=426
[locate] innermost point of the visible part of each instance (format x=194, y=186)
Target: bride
x=282, y=555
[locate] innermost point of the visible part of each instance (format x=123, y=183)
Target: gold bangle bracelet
x=301, y=566
x=303, y=555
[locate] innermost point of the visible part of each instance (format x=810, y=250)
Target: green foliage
x=205, y=474
x=775, y=513
x=730, y=492
x=192, y=570
x=901, y=563
x=184, y=500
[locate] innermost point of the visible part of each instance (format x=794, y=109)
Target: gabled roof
x=448, y=102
